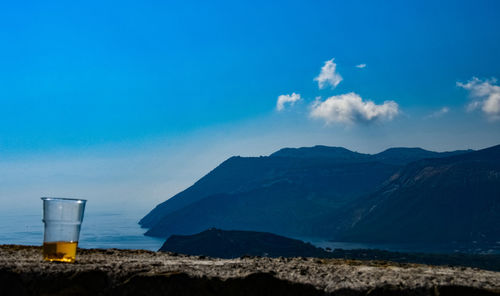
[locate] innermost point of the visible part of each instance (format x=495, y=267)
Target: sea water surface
x=119, y=229
x=104, y=229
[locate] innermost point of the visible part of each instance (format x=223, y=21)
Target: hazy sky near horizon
x=131, y=102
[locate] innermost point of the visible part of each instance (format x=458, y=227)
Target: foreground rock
x=137, y=272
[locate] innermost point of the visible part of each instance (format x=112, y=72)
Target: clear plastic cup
x=63, y=218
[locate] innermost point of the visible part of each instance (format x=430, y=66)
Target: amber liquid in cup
x=62, y=218
x=60, y=251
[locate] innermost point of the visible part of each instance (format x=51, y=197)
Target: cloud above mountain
x=350, y=108
x=287, y=100
x=328, y=75
x=439, y=113
x=485, y=95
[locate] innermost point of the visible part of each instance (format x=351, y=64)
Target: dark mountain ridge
x=233, y=244
x=293, y=192
x=320, y=151
x=456, y=198
x=291, y=200
x=241, y=174
x=408, y=155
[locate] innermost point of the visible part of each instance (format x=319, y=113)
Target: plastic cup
x=62, y=218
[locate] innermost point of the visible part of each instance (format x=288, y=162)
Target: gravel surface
x=124, y=272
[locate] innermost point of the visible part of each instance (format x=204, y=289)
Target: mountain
x=239, y=174
x=294, y=199
x=232, y=244
x=407, y=155
x=319, y=151
x=236, y=174
x=293, y=192
x=455, y=198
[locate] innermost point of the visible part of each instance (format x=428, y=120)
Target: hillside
x=233, y=244
x=241, y=174
x=296, y=201
x=292, y=192
x=455, y=198
x=219, y=243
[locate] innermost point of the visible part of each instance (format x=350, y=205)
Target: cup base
x=59, y=251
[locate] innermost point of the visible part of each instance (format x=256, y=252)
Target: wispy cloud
x=350, y=109
x=485, y=94
x=328, y=75
x=361, y=66
x=439, y=113
x=287, y=99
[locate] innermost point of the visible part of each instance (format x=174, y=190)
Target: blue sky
x=167, y=82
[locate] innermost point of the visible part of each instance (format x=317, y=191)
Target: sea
x=120, y=229
x=104, y=229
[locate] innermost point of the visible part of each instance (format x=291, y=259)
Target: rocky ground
x=138, y=272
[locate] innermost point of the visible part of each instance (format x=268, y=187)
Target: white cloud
x=438, y=113
x=485, y=95
x=328, y=75
x=361, y=66
x=350, y=108
x=287, y=99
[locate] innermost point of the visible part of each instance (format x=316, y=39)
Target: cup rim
x=66, y=199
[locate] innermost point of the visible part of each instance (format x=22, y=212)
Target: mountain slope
x=238, y=174
x=319, y=151
x=294, y=192
x=296, y=202
x=233, y=175
x=407, y=155
x=455, y=198
x=233, y=244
